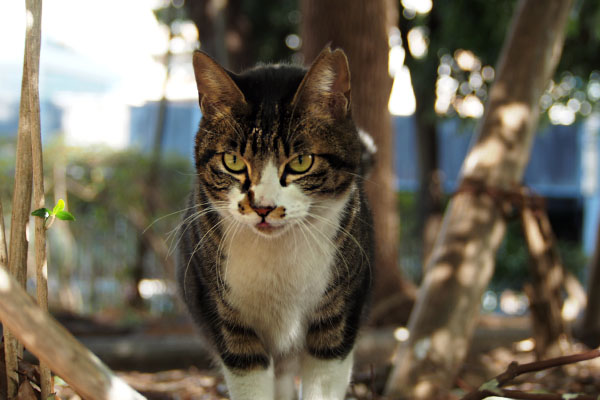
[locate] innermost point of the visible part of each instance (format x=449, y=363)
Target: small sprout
x=41, y=212
x=65, y=216
x=58, y=207
x=57, y=212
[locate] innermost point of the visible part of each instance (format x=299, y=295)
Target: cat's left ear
x=216, y=89
x=325, y=88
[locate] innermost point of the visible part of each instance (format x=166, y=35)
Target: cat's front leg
x=325, y=379
x=255, y=384
x=247, y=367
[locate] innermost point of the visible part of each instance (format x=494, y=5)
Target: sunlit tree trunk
x=589, y=331
x=547, y=281
x=360, y=28
x=461, y=265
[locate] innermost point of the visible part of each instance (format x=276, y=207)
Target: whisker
x=198, y=246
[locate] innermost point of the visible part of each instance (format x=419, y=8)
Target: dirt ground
x=497, y=343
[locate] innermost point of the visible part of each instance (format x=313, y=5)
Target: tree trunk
x=462, y=263
x=546, y=288
x=32, y=53
x=224, y=31
x=589, y=332
x=21, y=204
x=361, y=31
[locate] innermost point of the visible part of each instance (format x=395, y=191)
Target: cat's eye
x=233, y=163
x=301, y=163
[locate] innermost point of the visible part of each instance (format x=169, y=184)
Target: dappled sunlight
x=525, y=345
x=401, y=334
x=441, y=273
x=417, y=42
x=512, y=117
x=488, y=152
x=119, y=390
x=424, y=389
x=5, y=280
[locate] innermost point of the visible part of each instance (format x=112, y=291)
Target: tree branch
x=55, y=346
x=493, y=386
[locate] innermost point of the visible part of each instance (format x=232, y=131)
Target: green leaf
x=65, y=216
x=58, y=207
x=41, y=212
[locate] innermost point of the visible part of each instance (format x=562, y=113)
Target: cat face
x=276, y=145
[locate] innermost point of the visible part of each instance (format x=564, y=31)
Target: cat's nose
x=262, y=211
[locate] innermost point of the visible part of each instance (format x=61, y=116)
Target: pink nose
x=263, y=211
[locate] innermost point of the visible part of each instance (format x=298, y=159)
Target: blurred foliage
x=91, y=260
x=480, y=26
x=512, y=259
x=270, y=25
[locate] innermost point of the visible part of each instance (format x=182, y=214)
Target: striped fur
x=280, y=293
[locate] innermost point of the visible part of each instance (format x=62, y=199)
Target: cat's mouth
x=267, y=228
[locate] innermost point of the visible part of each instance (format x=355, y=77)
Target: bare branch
x=493, y=387
x=56, y=347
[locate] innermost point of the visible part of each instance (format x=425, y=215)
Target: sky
x=120, y=38
x=99, y=58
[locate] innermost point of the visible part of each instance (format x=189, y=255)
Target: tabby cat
x=276, y=250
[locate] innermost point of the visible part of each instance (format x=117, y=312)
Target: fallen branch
x=494, y=387
x=519, y=395
x=57, y=348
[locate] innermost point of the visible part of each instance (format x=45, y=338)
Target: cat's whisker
x=303, y=229
x=188, y=222
x=235, y=232
x=343, y=230
x=231, y=227
x=332, y=243
x=165, y=216
x=362, y=178
x=313, y=205
x=198, y=246
x=351, y=237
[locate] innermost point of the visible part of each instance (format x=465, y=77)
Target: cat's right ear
x=325, y=89
x=217, y=92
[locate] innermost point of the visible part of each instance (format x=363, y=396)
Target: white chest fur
x=277, y=283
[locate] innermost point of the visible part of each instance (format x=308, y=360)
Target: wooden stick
x=32, y=53
x=493, y=387
x=3, y=248
x=55, y=346
x=21, y=207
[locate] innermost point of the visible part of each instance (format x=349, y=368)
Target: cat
x=277, y=242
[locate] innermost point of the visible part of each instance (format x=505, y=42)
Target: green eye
x=301, y=163
x=233, y=163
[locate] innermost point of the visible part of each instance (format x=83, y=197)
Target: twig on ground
x=493, y=387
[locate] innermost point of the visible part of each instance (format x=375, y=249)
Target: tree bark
x=32, y=54
x=56, y=347
x=225, y=32
x=21, y=204
x=361, y=30
x=589, y=331
x=462, y=263
x=546, y=288
x=3, y=247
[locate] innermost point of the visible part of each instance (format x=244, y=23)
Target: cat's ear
x=216, y=90
x=326, y=86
